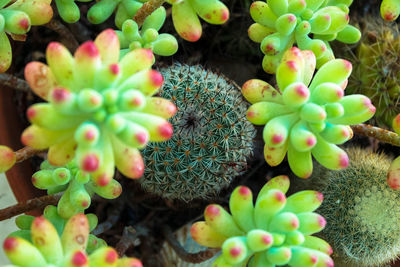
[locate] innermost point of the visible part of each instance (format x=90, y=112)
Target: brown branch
x=32, y=204
x=26, y=153
x=377, y=133
x=64, y=32
x=146, y=10
x=128, y=239
x=14, y=82
x=197, y=257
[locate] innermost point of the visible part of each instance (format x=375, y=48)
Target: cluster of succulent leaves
x=47, y=247
x=306, y=116
x=16, y=19
x=272, y=232
x=282, y=23
x=390, y=9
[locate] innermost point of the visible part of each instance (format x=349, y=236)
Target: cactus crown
x=306, y=117
x=100, y=110
x=282, y=23
x=361, y=210
x=211, y=140
x=47, y=248
x=275, y=231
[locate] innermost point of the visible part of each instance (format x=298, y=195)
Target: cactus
x=47, y=248
x=7, y=158
x=304, y=118
x=186, y=13
x=131, y=38
x=68, y=10
x=212, y=137
x=361, y=210
x=282, y=23
x=99, y=111
x=275, y=231
x=77, y=186
x=390, y=9
x=377, y=70
x=16, y=19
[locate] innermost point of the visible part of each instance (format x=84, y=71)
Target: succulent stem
x=146, y=10
x=26, y=153
x=14, y=82
x=69, y=39
x=377, y=133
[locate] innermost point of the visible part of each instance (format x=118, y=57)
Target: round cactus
x=282, y=23
x=78, y=187
x=390, y=9
x=68, y=10
x=306, y=118
x=99, y=111
x=211, y=140
x=47, y=248
x=185, y=15
x=7, y=158
x=16, y=19
x=275, y=231
x=361, y=210
x=131, y=38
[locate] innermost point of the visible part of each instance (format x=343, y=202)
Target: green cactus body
x=306, y=118
x=16, y=19
x=211, y=140
x=68, y=10
x=273, y=232
x=390, y=9
x=49, y=249
x=100, y=110
x=186, y=13
x=78, y=187
x=282, y=23
x=131, y=38
x=377, y=70
x=361, y=210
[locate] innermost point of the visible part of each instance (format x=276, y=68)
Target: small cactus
x=211, y=140
x=390, y=9
x=275, y=231
x=132, y=38
x=78, y=187
x=99, y=111
x=47, y=248
x=282, y=23
x=361, y=210
x=186, y=13
x=7, y=158
x=306, y=117
x=16, y=19
x=69, y=10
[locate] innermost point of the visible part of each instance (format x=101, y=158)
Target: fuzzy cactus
x=16, y=19
x=186, y=13
x=7, y=158
x=306, y=117
x=48, y=248
x=68, y=9
x=273, y=232
x=362, y=212
x=390, y=9
x=211, y=140
x=132, y=38
x=282, y=23
x=78, y=187
x=99, y=111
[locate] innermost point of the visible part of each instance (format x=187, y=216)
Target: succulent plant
x=186, y=13
x=306, y=118
x=132, y=38
x=361, y=210
x=393, y=175
x=7, y=158
x=47, y=248
x=68, y=9
x=16, y=18
x=275, y=231
x=377, y=70
x=390, y=9
x=282, y=23
x=77, y=186
x=211, y=140
x=99, y=111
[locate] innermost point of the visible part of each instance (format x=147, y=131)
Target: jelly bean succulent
x=393, y=176
x=306, y=117
x=7, y=158
x=16, y=19
x=390, y=9
x=273, y=232
x=69, y=10
x=48, y=249
x=186, y=13
x=132, y=38
x=282, y=23
x=100, y=110
x=78, y=187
